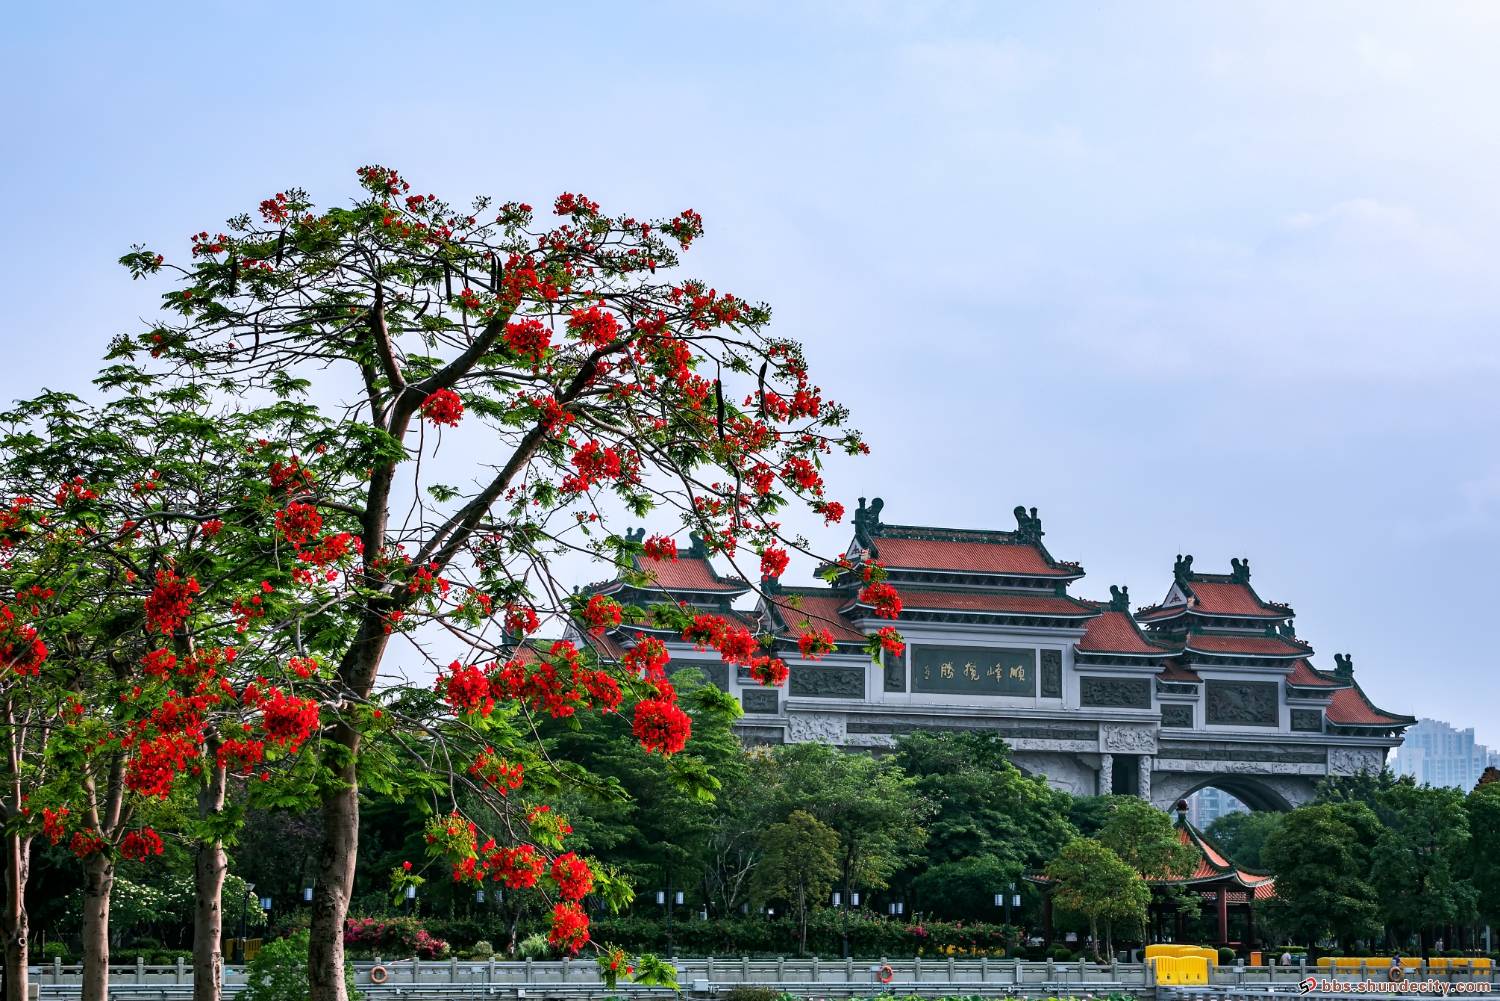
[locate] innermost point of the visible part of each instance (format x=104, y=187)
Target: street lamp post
x=244, y=910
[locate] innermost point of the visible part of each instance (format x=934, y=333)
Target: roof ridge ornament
x=867, y=523
x=1343, y=665
x=1119, y=598
x=1028, y=525
x=635, y=534
x=1182, y=570
x=696, y=549
x=1240, y=571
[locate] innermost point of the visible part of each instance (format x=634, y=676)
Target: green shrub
x=279, y=972
x=481, y=950
x=534, y=946
x=1226, y=956
x=751, y=993
x=1060, y=954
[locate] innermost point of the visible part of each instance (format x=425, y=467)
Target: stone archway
x=1258, y=792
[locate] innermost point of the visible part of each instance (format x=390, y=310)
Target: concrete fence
x=453, y=978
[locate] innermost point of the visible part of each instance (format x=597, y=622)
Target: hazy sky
x=1186, y=277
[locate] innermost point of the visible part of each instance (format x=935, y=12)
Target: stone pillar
x=1106, y=774
x=1144, y=783
x=1223, y=902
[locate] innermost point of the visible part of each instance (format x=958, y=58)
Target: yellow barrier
x=1180, y=971
x=1407, y=963
x=1167, y=949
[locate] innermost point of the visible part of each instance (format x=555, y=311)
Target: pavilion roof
x=794, y=610
x=1115, y=631
x=1350, y=706
x=994, y=602
x=969, y=551
x=1213, y=865
x=1236, y=644
x=1228, y=595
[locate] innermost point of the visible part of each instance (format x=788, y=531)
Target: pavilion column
x=1223, y=915
x=1047, y=918
x=1106, y=774
x=1144, y=777
x=1250, y=919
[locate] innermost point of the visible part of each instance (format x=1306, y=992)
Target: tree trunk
x=14, y=921
x=98, y=881
x=208, y=884
x=325, y=954
x=802, y=919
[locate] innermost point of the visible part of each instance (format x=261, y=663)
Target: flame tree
x=579, y=381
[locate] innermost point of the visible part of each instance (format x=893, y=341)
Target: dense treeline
x=936, y=828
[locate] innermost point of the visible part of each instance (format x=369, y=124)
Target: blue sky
x=1186, y=277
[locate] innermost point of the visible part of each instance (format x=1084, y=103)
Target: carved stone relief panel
x=1051, y=674
x=1115, y=693
x=824, y=681
x=825, y=728
x=761, y=700
x=1180, y=717
x=1241, y=703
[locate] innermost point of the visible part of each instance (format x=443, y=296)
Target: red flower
x=299, y=523
x=570, y=928
x=289, y=720
x=520, y=619
x=443, y=407
x=884, y=597
x=572, y=875
x=661, y=726
x=139, y=845
x=649, y=658
x=528, y=339
x=768, y=671
x=594, y=326
x=20, y=649
x=890, y=641
x=170, y=602
x=773, y=562
x=814, y=644
x=660, y=547
x=516, y=867
x=601, y=614
x=467, y=689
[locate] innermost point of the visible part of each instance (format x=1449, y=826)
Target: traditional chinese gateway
x=1210, y=687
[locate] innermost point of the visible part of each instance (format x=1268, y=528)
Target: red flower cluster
x=518, y=867
x=890, y=641
x=558, y=684
x=496, y=772
x=769, y=671
x=21, y=650
x=814, y=644
x=884, y=597
x=170, y=602
x=773, y=562
x=660, y=547
x=601, y=614
x=140, y=845
x=648, y=658
x=443, y=407
x=660, y=725
x=86, y=843
x=595, y=463
x=55, y=824
x=466, y=689
x=528, y=339
x=594, y=326
x=570, y=928
x=288, y=720
x=572, y=875
x=241, y=757
x=299, y=523
x=521, y=619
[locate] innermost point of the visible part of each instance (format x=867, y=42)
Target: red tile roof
x=1174, y=671
x=819, y=611
x=1304, y=675
x=1350, y=707
x=1249, y=646
x=1116, y=632
x=1229, y=598
x=969, y=557
x=689, y=573
x=1153, y=612
x=988, y=601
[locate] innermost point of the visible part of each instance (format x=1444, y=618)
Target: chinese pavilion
x=1211, y=686
x=1215, y=883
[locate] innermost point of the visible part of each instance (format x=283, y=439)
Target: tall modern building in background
x=1435, y=753
x=1207, y=805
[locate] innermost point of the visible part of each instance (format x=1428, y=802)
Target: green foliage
x=1422, y=848
x=1320, y=854
x=1483, y=809
x=1092, y=880
x=799, y=865
x=279, y=972
x=1242, y=836
x=1145, y=839
x=990, y=823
